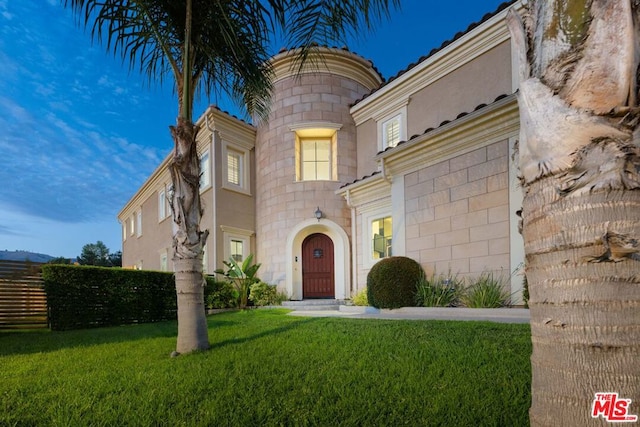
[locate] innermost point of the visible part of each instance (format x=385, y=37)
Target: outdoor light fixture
x=318, y=214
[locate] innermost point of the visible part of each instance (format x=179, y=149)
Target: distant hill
x=23, y=256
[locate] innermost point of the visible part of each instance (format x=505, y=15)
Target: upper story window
x=391, y=134
x=205, y=170
x=139, y=223
x=315, y=158
x=316, y=151
x=162, y=205
x=124, y=231
x=392, y=125
x=131, y=222
x=236, y=168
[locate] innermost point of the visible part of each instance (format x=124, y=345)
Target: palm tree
x=213, y=45
x=579, y=158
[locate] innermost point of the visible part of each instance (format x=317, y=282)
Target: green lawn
x=267, y=368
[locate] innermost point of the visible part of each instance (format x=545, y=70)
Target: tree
x=115, y=259
x=95, y=254
x=211, y=45
x=579, y=158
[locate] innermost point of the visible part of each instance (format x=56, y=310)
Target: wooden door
x=317, y=267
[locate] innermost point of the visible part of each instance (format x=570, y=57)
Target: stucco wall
x=477, y=82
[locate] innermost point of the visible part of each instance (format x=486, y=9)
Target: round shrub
x=392, y=282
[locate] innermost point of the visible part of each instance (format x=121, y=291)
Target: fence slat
x=23, y=302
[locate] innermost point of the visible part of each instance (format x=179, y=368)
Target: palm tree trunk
x=579, y=158
x=188, y=240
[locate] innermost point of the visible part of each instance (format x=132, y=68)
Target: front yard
x=267, y=368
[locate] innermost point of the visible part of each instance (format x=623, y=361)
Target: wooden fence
x=23, y=302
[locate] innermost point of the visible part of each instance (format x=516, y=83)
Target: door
x=317, y=267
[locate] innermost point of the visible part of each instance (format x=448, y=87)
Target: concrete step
x=314, y=304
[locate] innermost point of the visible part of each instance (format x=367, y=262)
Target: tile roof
x=459, y=116
x=444, y=44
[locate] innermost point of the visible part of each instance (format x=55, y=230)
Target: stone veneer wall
x=281, y=202
x=458, y=213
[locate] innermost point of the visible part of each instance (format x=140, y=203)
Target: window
x=391, y=132
x=234, y=168
x=139, y=223
x=381, y=229
x=236, y=250
x=205, y=259
x=124, y=231
x=205, y=173
x=131, y=222
x=162, y=205
x=237, y=242
x=163, y=261
x=316, y=151
x=315, y=156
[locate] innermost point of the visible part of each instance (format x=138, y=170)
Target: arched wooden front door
x=318, y=278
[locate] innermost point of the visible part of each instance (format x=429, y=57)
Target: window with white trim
x=236, y=249
x=391, y=132
x=237, y=242
x=381, y=238
x=205, y=170
x=164, y=261
x=235, y=168
x=131, y=222
x=139, y=223
x=124, y=231
x=162, y=205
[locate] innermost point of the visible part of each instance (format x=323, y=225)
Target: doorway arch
x=340, y=240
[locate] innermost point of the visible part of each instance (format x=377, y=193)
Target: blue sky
x=79, y=133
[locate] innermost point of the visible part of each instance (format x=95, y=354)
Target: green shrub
x=242, y=276
x=360, y=298
x=80, y=297
x=391, y=283
x=486, y=291
x=438, y=290
x=262, y=294
x=219, y=294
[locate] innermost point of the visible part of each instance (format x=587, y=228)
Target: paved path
x=501, y=315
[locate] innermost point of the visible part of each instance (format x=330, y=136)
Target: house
x=350, y=169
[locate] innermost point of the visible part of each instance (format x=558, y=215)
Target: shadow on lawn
x=13, y=342
x=270, y=332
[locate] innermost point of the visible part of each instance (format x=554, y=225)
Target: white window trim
x=132, y=221
x=124, y=230
x=164, y=255
x=234, y=233
x=162, y=205
x=206, y=171
x=245, y=169
x=139, y=223
x=367, y=218
x=400, y=114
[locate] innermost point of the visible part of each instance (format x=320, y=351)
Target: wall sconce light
x=318, y=214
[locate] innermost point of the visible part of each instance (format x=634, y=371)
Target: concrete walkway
x=501, y=315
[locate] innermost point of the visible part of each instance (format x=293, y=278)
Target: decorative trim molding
x=472, y=45
x=327, y=60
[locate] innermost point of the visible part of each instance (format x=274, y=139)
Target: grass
x=266, y=368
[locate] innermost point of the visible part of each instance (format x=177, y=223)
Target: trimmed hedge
x=81, y=297
x=392, y=282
